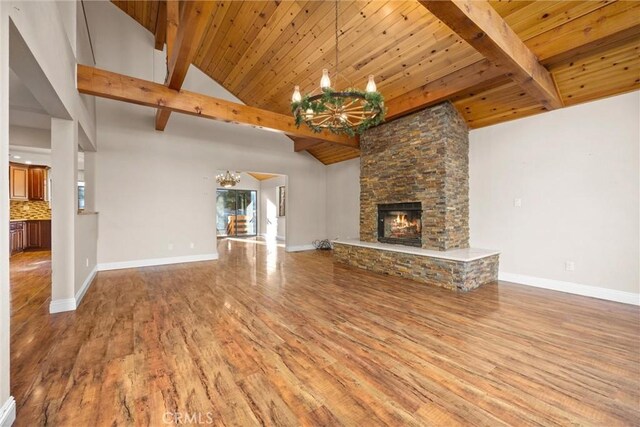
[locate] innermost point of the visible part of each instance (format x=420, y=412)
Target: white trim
x=85, y=286
x=281, y=238
x=572, y=288
x=299, y=248
x=8, y=412
x=105, y=266
x=61, y=305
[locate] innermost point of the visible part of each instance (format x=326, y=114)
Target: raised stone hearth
x=418, y=160
x=461, y=269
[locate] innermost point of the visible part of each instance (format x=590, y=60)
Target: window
x=80, y=196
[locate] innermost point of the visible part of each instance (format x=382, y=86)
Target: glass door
x=237, y=213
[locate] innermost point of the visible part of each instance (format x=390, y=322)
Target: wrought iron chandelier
x=228, y=179
x=348, y=112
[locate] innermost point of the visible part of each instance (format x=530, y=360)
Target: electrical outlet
x=517, y=203
x=87, y=262
x=170, y=246
x=192, y=245
x=569, y=265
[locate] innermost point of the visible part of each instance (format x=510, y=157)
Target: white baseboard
x=8, y=412
x=70, y=304
x=85, y=286
x=269, y=236
x=572, y=288
x=62, y=305
x=157, y=261
x=299, y=248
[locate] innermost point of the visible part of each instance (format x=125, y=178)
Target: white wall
x=158, y=188
x=343, y=199
x=7, y=407
x=86, y=254
x=576, y=172
x=29, y=137
x=48, y=65
x=271, y=225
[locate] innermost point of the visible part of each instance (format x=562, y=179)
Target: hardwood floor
x=263, y=337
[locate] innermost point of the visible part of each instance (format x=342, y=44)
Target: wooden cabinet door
x=33, y=234
x=18, y=182
x=12, y=242
x=23, y=239
x=37, y=176
x=17, y=238
x=45, y=234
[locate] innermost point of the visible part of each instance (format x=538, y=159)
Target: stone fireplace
x=423, y=157
x=414, y=203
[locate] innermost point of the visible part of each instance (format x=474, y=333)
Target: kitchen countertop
x=27, y=219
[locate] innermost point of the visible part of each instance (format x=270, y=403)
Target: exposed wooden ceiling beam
x=483, y=28
x=182, y=44
x=161, y=27
x=105, y=84
x=442, y=89
x=171, y=25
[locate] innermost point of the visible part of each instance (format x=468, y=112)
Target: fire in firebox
x=400, y=223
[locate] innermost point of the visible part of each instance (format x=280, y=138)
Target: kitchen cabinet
x=28, y=182
x=18, y=182
x=38, y=234
x=29, y=234
x=37, y=182
x=17, y=237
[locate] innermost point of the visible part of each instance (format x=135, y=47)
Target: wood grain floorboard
x=264, y=337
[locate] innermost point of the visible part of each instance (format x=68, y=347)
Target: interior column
x=64, y=206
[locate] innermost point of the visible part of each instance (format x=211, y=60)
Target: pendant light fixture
x=228, y=179
x=349, y=111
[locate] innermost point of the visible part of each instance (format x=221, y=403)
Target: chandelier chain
x=337, y=50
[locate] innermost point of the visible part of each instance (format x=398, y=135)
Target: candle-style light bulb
x=325, y=81
x=296, y=97
x=308, y=114
x=371, y=85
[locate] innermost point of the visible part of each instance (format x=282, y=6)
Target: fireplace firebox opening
x=400, y=223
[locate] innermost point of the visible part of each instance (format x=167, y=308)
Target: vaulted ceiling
x=258, y=50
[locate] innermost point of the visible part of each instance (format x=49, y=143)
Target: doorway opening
x=237, y=213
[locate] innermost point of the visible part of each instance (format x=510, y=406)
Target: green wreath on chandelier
x=371, y=111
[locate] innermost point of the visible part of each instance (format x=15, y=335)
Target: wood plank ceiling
x=258, y=50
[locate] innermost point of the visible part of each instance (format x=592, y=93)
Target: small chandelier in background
x=348, y=112
x=228, y=179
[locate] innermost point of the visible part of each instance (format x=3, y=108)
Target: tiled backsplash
x=30, y=210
